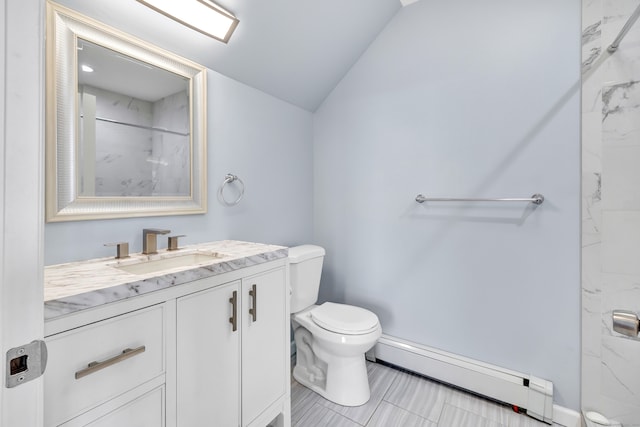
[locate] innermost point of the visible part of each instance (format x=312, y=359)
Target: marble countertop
x=81, y=285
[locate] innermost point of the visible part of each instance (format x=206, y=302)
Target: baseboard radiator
x=528, y=393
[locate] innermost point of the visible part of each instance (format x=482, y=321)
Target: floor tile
x=418, y=395
x=380, y=379
x=388, y=415
x=482, y=407
x=497, y=412
x=302, y=400
x=522, y=420
x=321, y=416
x=400, y=399
x=453, y=416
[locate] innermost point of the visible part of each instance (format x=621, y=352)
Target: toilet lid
x=344, y=319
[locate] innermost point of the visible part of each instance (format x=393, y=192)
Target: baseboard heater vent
x=530, y=394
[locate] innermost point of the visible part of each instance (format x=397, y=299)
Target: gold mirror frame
x=63, y=202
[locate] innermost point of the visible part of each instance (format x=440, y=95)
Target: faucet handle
x=122, y=249
x=173, y=242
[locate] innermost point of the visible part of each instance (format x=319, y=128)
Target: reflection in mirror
x=134, y=126
x=126, y=124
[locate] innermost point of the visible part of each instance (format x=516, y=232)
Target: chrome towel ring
x=228, y=179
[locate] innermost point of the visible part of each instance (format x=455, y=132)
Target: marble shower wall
x=610, y=209
x=121, y=151
x=136, y=161
x=171, y=170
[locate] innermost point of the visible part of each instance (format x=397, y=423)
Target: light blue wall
x=457, y=98
x=263, y=140
x=453, y=99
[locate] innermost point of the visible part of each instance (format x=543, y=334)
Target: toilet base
x=346, y=381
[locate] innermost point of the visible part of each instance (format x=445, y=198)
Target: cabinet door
x=264, y=342
x=208, y=358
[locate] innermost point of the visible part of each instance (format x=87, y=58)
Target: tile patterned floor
x=400, y=399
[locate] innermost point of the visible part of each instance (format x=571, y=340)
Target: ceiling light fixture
x=203, y=16
x=86, y=68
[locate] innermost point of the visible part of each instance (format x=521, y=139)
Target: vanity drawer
x=128, y=349
x=144, y=411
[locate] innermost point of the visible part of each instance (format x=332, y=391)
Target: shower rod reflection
x=133, y=125
x=632, y=20
x=536, y=199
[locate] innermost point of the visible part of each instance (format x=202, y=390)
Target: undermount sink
x=170, y=263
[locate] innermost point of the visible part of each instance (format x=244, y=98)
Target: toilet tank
x=305, y=263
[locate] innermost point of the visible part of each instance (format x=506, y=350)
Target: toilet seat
x=344, y=319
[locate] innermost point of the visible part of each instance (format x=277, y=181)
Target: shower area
x=610, y=207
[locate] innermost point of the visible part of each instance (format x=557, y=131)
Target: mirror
x=134, y=132
x=125, y=130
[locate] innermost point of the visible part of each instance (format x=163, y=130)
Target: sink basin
x=170, y=263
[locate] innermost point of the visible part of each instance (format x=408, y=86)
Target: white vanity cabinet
x=232, y=352
x=172, y=358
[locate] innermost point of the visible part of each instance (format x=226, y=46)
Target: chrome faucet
x=150, y=240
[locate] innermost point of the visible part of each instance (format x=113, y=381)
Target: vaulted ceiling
x=295, y=50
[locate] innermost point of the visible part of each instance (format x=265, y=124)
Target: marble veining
x=591, y=47
x=591, y=33
x=617, y=99
x=81, y=285
x=594, y=54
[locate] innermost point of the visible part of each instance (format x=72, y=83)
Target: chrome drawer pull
x=96, y=366
x=253, y=293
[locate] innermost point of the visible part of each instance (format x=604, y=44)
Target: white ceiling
x=118, y=73
x=296, y=50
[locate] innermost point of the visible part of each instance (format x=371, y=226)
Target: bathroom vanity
x=198, y=336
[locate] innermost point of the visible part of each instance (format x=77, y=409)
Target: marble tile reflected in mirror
x=135, y=133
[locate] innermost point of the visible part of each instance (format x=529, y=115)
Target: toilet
x=331, y=338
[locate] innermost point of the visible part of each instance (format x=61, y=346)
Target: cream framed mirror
x=125, y=124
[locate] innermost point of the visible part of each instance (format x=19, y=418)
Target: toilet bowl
x=330, y=338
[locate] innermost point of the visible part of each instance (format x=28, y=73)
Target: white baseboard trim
x=566, y=417
x=563, y=416
x=529, y=393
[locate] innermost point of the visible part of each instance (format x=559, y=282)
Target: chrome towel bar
x=535, y=199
